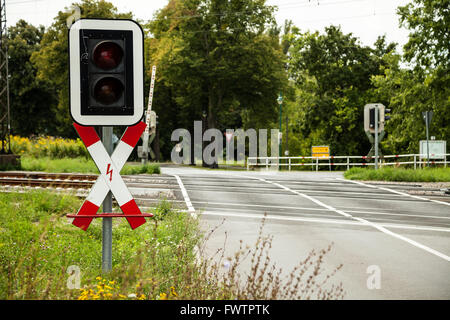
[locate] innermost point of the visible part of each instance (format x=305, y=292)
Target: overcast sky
x=366, y=19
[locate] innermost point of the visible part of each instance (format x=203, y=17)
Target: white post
x=376, y=137
x=289, y=164
x=145, y=136
x=428, y=146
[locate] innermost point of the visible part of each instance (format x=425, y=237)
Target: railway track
x=47, y=180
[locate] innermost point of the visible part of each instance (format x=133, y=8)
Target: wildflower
x=163, y=296
x=132, y=295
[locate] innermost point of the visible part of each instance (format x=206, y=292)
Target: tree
x=51, y=60
x=332, y=72
x=29, y=96
x=426, y=87
x=216, y=58
x=429, y=22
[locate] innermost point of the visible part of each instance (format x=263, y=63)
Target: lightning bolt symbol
x=108, y=171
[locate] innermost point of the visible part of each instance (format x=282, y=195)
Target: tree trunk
x=213, y=106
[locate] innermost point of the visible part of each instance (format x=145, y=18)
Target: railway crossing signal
x=372, y=118
x=109, y=179
x=375, y=116
x=106, y=72
x=106, y=67
x=369, y=117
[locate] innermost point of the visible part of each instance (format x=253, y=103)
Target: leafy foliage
x=429, y=22
x=332, y=74
x=225, y=62
x=216, y=58
x=51, y=59
x=28, y=94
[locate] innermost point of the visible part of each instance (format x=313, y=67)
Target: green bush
x=149, y=168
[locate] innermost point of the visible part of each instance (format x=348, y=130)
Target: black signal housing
x=106, y=73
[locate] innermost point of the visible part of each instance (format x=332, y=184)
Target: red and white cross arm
x=109, y=178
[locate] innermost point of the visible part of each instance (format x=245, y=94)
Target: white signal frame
x=381, y=120
x=75, y=75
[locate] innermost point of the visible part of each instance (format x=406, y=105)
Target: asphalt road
x=398, y=243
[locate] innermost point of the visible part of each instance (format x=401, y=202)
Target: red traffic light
x=108, y=90
x=107, y=55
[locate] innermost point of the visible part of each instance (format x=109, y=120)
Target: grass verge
x=80, y=165
x=43, y=256
x=399, y=174
x=38, y=246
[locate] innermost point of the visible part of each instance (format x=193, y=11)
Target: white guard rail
x=408, y=159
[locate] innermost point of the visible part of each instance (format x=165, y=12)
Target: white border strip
x=186, y=196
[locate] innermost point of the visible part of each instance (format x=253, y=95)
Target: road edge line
x=188, y=202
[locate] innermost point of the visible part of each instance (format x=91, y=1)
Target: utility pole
x=5, y=125
x=427, y=115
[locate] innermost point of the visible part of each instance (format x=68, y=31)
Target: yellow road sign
x=320, y=151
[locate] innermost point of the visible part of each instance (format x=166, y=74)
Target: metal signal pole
x=280, y=102
x=107, y=133
x=5, y=125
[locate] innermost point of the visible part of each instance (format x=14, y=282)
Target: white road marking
x=363, y=221
x=278, y=217
x=395, y=191
x=186, y=197
x=321, y=196
x=254, y=205
x=210, y=188
x=319, y=220
x=277, y=207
